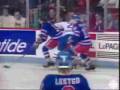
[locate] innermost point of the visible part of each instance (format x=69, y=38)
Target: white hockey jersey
x=66, y=27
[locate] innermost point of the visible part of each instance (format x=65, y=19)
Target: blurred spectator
x=19, y=20
x=52, y=15
x=68, y=4
x=81, y=6
x=6, y=20
x=92, y=21
x=96, y=21
x=111, y=3
x=22, y=7
x=109, y=21
x=52, y=12
x=113, y=23
x=15, y=5
x=94, y=4
x=99, y=24
x=116, y=22
x=52, y=6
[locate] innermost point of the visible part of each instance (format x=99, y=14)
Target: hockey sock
x=85, y=59
x=46, y=52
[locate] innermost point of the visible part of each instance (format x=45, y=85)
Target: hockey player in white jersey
x=67, y=29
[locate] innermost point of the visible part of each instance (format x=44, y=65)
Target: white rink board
x=103, y=54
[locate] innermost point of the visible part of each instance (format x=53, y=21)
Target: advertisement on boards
x=17, y=42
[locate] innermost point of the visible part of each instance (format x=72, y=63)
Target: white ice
x=29, y=76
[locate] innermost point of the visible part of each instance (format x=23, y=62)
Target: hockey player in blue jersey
x=55, y=32
x=48, y=29
x=65, y=80
x=78, y=43
x=81, y=42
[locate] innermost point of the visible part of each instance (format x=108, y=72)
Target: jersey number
x=68, y=88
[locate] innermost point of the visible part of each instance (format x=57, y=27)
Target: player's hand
x=70, y=40
x=39, y=40
x=36, y=45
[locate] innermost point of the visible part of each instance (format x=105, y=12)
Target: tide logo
x=68, y=87
x=12, y=46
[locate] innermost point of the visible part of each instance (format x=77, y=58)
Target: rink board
x=105, y=48
x=40, y=61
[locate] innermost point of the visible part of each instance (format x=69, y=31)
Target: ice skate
x=89, y=65
x=49, y=64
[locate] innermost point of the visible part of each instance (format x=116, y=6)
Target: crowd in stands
x=47, y=9
x=96, y=17
x=14, y=5
x=11, y=21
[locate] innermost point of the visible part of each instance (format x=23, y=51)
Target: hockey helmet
x=64, y=60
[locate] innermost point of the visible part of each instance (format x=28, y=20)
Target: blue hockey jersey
x=81, y=34
x=64, y=82
x=49, y=29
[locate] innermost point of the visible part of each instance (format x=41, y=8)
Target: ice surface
x=29, y=76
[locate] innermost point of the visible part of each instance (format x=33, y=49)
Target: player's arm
x=41, y=38
x=58, y=27
x=85, y=84
x=45, y=84
x=42, y=86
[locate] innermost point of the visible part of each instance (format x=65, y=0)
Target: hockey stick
x=21, y=57
x=9, y=66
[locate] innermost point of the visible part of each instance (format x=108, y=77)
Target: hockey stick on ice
x=19, y=58
x=9, y=66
